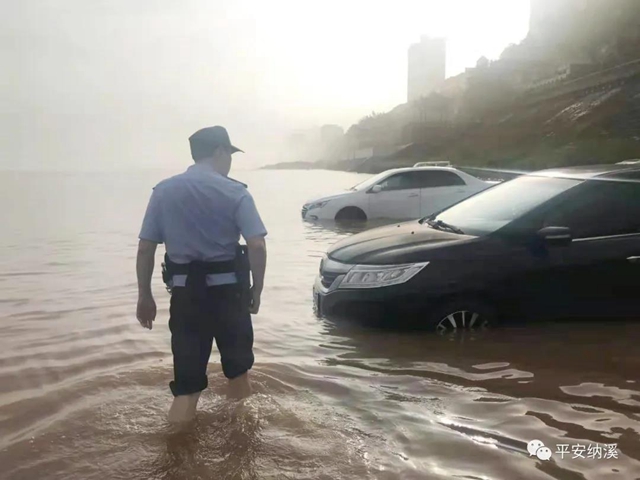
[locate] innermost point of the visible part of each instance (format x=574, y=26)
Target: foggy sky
x=117, y=84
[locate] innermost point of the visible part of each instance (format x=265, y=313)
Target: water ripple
x=84, y=389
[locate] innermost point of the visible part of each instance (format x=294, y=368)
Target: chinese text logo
x=592, y=451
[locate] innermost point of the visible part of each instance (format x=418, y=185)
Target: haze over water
x=120, y=84
x=84, y=389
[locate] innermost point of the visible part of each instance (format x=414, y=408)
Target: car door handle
x=634, y=259
x=414, y=195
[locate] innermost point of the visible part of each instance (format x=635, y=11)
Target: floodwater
x=84, y=389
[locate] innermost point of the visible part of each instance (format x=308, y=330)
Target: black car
x=554, y=243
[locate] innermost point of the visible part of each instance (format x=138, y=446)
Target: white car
x=403, y=193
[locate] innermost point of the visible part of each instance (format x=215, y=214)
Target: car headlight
x=315, y=205
x=375, y=276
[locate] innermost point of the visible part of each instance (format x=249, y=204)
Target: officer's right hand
x=255, y=302
x=146, y=311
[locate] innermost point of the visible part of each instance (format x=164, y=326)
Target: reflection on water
x=84, y=390
x=320, y=228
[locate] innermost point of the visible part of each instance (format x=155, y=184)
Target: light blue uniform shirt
x=200, y=215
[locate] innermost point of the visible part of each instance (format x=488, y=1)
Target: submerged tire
x=351, y=214
x=461, y=314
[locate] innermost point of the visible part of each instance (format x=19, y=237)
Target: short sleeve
x=152, y=224
x=248, y=219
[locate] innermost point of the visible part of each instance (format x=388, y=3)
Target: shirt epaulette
x=236, y=181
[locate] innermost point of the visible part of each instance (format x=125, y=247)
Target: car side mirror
x=375, y=189
x=557, y=236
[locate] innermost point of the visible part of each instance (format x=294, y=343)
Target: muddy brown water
x=84, y=389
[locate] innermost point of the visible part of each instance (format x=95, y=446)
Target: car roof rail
x=433, y=164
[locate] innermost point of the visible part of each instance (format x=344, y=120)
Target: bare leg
x=183, y=409
x=239, y=387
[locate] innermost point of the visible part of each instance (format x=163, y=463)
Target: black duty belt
x=197, y=267
x=197, y=272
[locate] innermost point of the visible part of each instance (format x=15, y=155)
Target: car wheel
x=351, y=214
x=461, y=314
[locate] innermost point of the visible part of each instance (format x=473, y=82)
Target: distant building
x=330, y=134
x=544, y=14
x=550, y=18
x=426, y=67
x=454, y=87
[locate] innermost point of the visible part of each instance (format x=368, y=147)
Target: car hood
x=329, y=197
x=398, y=243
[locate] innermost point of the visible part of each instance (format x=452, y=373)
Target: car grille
x=327, y=278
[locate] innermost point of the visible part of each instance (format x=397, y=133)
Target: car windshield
x=494, y=208
x=369, y=182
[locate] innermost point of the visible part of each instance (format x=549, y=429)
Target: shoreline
x=537, y=157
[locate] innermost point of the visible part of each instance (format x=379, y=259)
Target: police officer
x=199, y=215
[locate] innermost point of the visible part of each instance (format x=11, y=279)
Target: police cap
x=206, y=140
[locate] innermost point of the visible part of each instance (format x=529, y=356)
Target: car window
x=437, y=178
x=369, y=182
x=600, y=208
x=399, y=181
x=502, y=204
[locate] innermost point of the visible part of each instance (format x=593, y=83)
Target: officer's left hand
x=146, y=311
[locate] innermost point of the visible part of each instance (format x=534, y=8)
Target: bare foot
x=239, y=387
x=183, y=409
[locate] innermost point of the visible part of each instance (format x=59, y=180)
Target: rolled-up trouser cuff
x=237, y=366
x=188, y=387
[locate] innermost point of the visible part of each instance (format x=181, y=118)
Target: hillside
x=598, y=124
x=568, y=94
